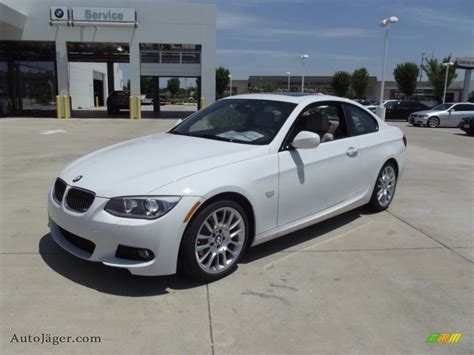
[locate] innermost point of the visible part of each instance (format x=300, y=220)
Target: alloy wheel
x=433, y=122
x=386, y=186
x=220, y=240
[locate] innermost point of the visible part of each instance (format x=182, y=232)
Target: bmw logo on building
x=59, y=13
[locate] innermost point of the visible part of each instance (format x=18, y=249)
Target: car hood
x=139, y=166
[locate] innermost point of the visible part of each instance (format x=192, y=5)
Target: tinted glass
x=464, y=107
x=237, y=120
x=362, y=122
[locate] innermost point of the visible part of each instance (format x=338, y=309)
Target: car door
x=365, y=129
x=312, y=180
x=453, y=116
x=460, y=110
x=391, y=110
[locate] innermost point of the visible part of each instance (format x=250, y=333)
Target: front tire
x=384, y=189
x=214, y=241
x=433, y=122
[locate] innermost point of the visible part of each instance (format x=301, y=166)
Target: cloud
x=260, y=26
x=432, y=16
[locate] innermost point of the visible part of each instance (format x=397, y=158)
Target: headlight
x=146, y=207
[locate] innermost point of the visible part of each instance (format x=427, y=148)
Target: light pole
x=421, y=66
x=230, y=87
x=303, y=58
x=384, y=23
x=288, y=74
x=447, y=65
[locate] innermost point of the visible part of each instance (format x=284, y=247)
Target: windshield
x=237, y=120
x=442, y=107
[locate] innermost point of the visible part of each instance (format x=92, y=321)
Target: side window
x=464, y=107
x=361, y=122
x=324, y=118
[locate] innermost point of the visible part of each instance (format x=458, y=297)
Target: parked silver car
x=444, y=115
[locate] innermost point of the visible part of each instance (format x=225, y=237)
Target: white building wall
x=81, y=83
x=157, y=23
x=118, y=77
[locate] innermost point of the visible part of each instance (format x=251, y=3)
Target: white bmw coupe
x=240, y=172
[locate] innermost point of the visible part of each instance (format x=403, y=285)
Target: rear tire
x=433, y=122
x=214, y=241
x=384, y=189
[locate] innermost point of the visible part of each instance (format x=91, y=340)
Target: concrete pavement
x=359, y=283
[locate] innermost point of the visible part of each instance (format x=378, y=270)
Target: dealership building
x=79, y=49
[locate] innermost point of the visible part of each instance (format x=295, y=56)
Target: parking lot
x=359, y=283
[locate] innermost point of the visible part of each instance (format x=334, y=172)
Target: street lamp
x=384, y=23
x=230, y=87
x=289, y=75
x=421, y=66
x=303, y=58
x=447, y=65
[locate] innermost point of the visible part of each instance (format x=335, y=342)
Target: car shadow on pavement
x=120, y=282
x=107, y=279
x=292, y=240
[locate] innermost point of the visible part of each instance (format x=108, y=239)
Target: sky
x=267, y=37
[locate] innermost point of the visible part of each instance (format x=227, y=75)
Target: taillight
x=405, y=140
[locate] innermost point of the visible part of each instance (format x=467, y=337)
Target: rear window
x=361, y=121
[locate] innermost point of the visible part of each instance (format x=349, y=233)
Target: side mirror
x=306, y=140
x=177, y=122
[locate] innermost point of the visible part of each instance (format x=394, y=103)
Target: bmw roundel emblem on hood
x=77, y=178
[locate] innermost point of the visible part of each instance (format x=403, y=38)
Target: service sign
x=97, y=14
x=465, y=63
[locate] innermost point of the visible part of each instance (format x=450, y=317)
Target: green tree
x=341, y=81
x=222, y=81
x=406, y=75
x=173, y=86
x=269, y=88
x=146, y=84
x=436, y=73
x=360, y=81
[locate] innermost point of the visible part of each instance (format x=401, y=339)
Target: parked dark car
x=364, y=102
x=467, y=125
x=401, y=109
x=118, y=100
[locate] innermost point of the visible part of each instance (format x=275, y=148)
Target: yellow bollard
x=97, y=101
x=131, y=106
x=66, y=106
x=59, y=110
x=139, y=108
x=201, y=102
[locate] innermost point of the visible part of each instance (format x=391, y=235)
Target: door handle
x=352, y=152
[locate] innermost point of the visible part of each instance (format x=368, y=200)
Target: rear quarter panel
x=378, y=147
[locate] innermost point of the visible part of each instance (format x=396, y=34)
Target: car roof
x=296, y=98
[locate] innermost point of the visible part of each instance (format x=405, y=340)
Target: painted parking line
x=53, y=131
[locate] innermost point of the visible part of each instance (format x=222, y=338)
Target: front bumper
x=418, y=120
x=162, y=236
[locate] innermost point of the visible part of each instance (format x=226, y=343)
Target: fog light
x=144, y=254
